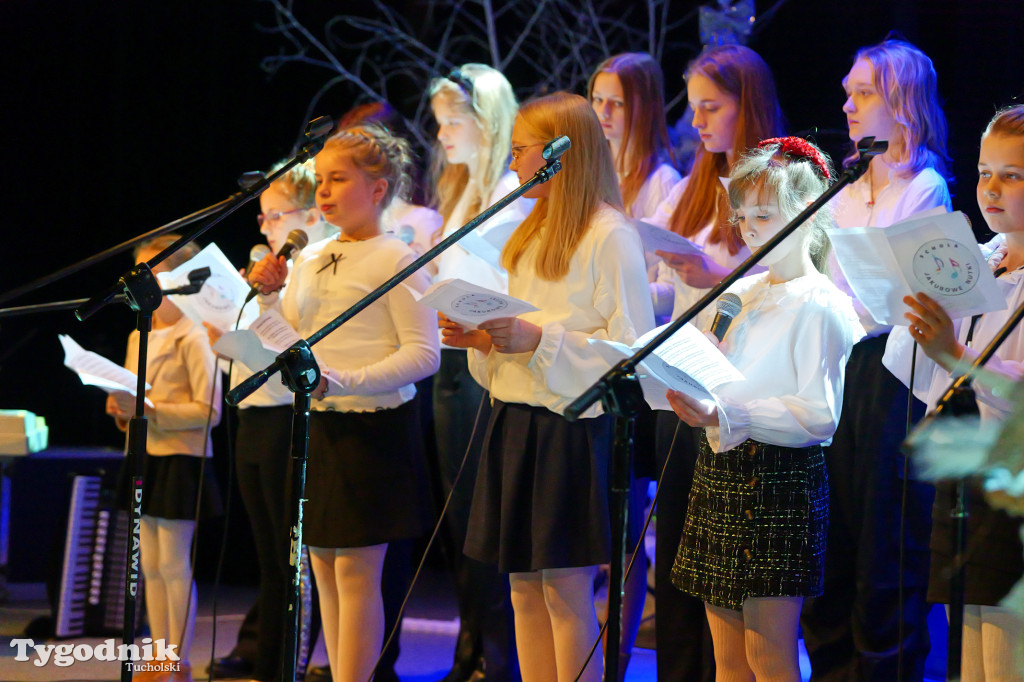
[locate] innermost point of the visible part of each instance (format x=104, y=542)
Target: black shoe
x=230, y=668
x=318, y=673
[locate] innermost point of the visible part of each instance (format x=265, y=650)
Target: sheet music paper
x=259, y=345
x=656, y=238
x=471, y=305
x=488, y=245
x=687, y=362
x=222, y=294
x=95, y=370
x=934, y=254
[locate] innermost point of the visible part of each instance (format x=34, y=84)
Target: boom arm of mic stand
x=314, y=133
x=247, y=387
x=867, y=147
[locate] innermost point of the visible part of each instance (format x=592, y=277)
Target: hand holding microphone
x=269, y=274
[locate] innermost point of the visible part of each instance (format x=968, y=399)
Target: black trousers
x=852, y=630
x=262, y=468
x=486, y=632
x=684, y=649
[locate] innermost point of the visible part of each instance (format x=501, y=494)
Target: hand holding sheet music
x=687, y=362
x=470, y=305
x=936, y=255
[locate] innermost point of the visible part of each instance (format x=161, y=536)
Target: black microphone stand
x=142, y=293
x=620, y=395
x=196, y=279
x=300, y=373
x=958, y=401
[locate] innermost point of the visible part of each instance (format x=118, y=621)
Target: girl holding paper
x=186, y=403
x=540, y=507
x=474, y=107
x=993, y=636
x=753, y=543
x=732, y=95
x=366, y=476
x=853, y=628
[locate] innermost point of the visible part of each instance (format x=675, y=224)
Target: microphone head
x=555, y=148
x=729, y=305
x=407, y=234
x=297, y=239
x=258, y=252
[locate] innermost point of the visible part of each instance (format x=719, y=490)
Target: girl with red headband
x=754, y=539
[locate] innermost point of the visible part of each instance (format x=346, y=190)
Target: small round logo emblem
x=946, y=267
x=478, y=304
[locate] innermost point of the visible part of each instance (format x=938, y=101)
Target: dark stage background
x=118, y=117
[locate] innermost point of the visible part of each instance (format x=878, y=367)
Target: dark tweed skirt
x=541, y=495
x=755, y=526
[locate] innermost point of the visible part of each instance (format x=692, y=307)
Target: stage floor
x=427, y=640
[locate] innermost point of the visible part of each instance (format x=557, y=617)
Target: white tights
x=993, y=645
x=165, y=547
x=556, y=624
x=351, y=608
x=758, y=643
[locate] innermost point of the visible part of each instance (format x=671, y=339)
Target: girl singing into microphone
x=540, y=507
x=366, y=477
x=754, y=539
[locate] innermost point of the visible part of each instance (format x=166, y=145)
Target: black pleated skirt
x=541, y=494
x=170, y=486
x=366, y=480
x=755, y=526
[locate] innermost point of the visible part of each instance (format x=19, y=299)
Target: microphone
x=295, y=242
x=256, y=254
x=728, y=307
x=554, y=149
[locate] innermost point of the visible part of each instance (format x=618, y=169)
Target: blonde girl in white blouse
x=540, y=507
x=753, y=542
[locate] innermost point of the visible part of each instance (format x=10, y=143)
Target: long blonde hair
x=486, y=95
x=645, y=142
x=740, y=73
x=587, y=179
x=906, y=80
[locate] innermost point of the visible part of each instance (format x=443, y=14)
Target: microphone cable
x=900, y=594
x=227, y=511
x=433, y=537
x=632, y=560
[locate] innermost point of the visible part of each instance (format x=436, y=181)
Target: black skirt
x=995, y=557
x=170, y=486
x=366, y=481
x=541, y=495
x=756, y=525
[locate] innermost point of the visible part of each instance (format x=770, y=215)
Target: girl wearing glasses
x=263, y=441
x=540, y=505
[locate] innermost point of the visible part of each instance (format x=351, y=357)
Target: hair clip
x=800, y=148
x=456, y=76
